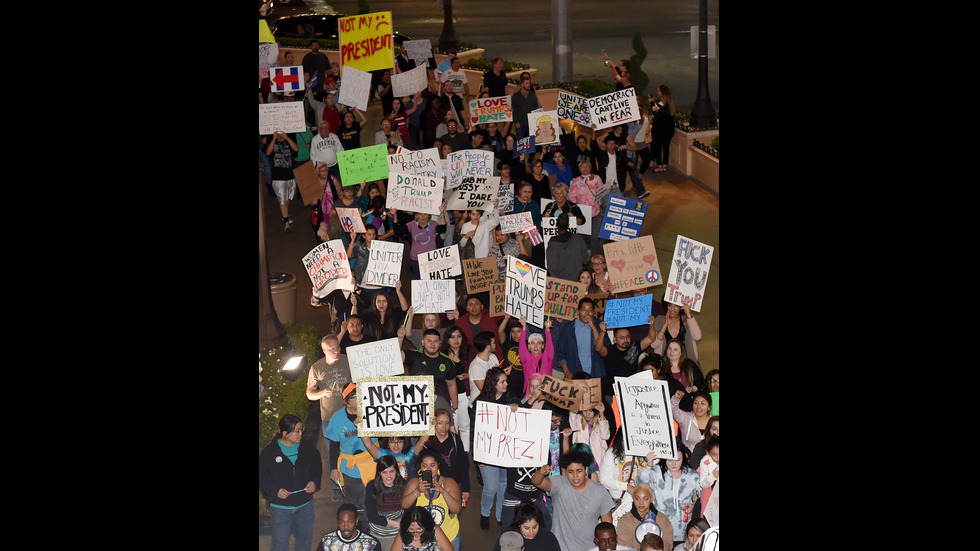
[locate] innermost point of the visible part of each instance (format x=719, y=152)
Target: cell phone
x=427, y=476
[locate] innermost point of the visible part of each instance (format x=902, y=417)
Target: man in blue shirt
x=576, y=345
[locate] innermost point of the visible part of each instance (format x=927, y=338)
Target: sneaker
x=644, y=194
x=288, y=226
x=485, y=522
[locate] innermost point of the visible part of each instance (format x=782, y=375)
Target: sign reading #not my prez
x=508, y=438
x=395, y=406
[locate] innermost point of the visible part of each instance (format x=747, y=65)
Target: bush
x=714, y=143
x=638, y=78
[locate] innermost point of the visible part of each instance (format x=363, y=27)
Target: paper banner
x=573, y=108
x=647, y=423
x=574, y=395
x=516, y=223
x=498, y=291
x=628, y=312
x=328, y=267
x=561, y=297
x=396, y=406
x=418, y=49
x=350, y=220
x=441, y=263
x=356, y=90
x=525, y=291
x=433, y=296
x=469, y=163
x=506, y=438
x=425, y=162
x=384, y=267
x=474, y=192
x=545, y=125
x=407, y=83
x=688, y=272
x=480, y=274
x=281, y=117
x=365, y=42
x=364, y=164
x=485, y=110
x=413, y=193
x=623, y=219
x=614, y=108
x=632, y=264
x=505, y=192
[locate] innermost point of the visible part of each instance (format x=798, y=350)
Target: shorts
x=285, y=190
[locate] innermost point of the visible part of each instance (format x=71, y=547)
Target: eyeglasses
x=297, y=429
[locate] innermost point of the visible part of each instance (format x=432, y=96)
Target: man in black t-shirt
x=622, y=357
x=428, y=360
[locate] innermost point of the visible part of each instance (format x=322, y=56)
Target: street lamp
x=271, y=332
x=703, y=114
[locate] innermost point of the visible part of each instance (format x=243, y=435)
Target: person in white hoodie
x=479, y=230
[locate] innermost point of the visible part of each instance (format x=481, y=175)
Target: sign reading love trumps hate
x=485, y=110
x=688, y=272
x=395, y=406
x=508, y=438
x=525, y=296
x=632, y=264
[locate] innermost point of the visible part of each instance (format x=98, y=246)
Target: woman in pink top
x=583, y=189
x=536, y=352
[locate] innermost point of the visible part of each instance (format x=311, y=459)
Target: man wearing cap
x=511, y=541
x=579, y=504
x=352, y=466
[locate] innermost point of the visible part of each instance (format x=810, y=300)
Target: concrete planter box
x=691, y=161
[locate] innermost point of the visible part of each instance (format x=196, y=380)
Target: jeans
x=457, y=541
x=296, y=522
x=462, y=418
x=266, y=167
x=494, y=484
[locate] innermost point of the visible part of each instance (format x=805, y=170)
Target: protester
x=382, y=500
x=289, y=474
x=441, y=496
x=418, y=532
x=579, y=504
x=348, y=536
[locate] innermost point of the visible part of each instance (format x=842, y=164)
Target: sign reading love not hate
x=644, y=410
x=688, y=272
x=328, y=267
x=396, y=406
x=632, y=264
x=375, y=359
x=525, y=291
x=365, y=41
x=508, y=438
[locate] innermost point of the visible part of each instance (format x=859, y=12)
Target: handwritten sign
x=525, y=291
x=545, y=126
x=433, y=296
x=505, y=192
x=418, y=49
x=516, y=223
x=485, y=110
x=574, y=395
x=356, y=89
x=365, y=42
x=425, y=162
x=644, y=409
x=441, y=263
x=573, y=108
x=468, y=163
x=628, y=312
x=281, y=117
x=524, y=146
x=414, y=193
x=623, y=219
x=573, y=226
x=480, y=274
x=407, y=83
x=396, y=406
x=614, y=108
x=375, y=359
x=350, y=220
x=474, y=192
x=384, y=267
x=689, y=272
x=363, y=164
x=511, y=439
x=328, y=267
x=498, y=291
x=600, y=300
x=632, y=264
x=561, y=297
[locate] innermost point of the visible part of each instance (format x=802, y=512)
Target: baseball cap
x=511, y=541
x=348, y=389
x=535, y=337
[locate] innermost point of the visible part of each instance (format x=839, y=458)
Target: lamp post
x=448, y=41
x=703, y=114
x=271, y=332
x=561, y=40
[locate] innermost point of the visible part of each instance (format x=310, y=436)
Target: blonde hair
x=560, y=185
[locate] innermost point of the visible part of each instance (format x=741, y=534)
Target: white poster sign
x=281, y=117
x=526, y=285
x=507, y=438
x=433, y=296
x=614, y=108
x=688, y=272
x=384, y=267
x=375, y=359
x=644, y=408
x=356, y=89
x=441, y=263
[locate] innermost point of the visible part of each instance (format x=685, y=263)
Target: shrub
x=714, y=143
x=638, y=78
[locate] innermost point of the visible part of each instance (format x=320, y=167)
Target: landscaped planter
x=691, y=161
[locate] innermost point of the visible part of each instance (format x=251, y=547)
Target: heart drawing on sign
x=618, y=264
x=522, y=268
x=476, y=120
x=649, y=258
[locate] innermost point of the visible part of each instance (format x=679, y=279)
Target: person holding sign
x=674, y=486
x=677, y=324
x=478, y=230
x=622, y=357
x=537, y=352
x=289, y=474
x=566, y=252
x=382, y=320
x=383, y=500
x=691, y=424
x=591, y=428
x=438, y=494
x=579, y=504
x=494, y=390
x=281, y=150
x=352, y=467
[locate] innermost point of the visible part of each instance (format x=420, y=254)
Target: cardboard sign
x=418, y=49
x=281, y=117
x=384, y=267
x=350, y=220
x=356, y=90
x=308, y=184
x=623, y=219
x=511, y=439
x=600, y=300
x=632, y=264
x=628, y=312
x=575, y=395
x=573, y=108
x=441, y=263
x=516, y=223
x=688, y=272
x=525, y=291
x=375, y=359
x=614, y=108
x=474, y=192
x=468, y=163
x=414, y=193
x=561, y=298
x=433, y=296
x=484, y=110
x=498, y=291
x=644, y=410
x=365, y=42
x=480, y=274
x=396, y=406
x=545, y=126
x=505, y=192
x=409, y=82
x=328, y=267
x=364, y=164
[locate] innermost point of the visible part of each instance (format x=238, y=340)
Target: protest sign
x=506, y=438
x=328, y=267
x=628, y=312
x=384, y=267
x=505, y=192
x=308, y=184
x=516, y=223
x=498, y=291
x=396, y=406
x=573, y=225
x=573, y=108
x=480, y=274
x=364, y=164
x=281, y=117
x=623, y=219
x=350, y=220
x=268, y=57
x=614, y=108
x=561, y=297
x=644, y=410
x=425, y=162
x=525, y=291
x=545, y=126
x=365, y=42
x=714, y=403
x=468, y=163
x=574, y=395
x=286, y=79
x=433, y=296
x=524, y=146
x=407, y=83
x=414, y=193
x=484, y=110
x=474, y=192
x=632, y=264
x=356, y=90
x=600, y=300
x=441, y=263
x=418, y=49
x=688, y=272
x=375, y=359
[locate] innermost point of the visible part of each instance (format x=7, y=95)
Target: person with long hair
x=691, y=424
x=383, y=320
x=621, y=72
x=662, y=127
x=692, y=533
x=396, y=446
x=618, y=472
x=429, y=321
x=290, y=470
x=418, y=532
x=495, y=390
x=592, y=428
x=562, y=204
x=432, y=117
x=349, y=133
x=540, y=183
x=676, y=364
x=532, y=397
x=399, y=117
x=383, y=501
x=455, y=346
x=675, y=490
x=698, y=452
x=453, y=453
x=678, y=323
x=441, y=497
x=534, y=525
